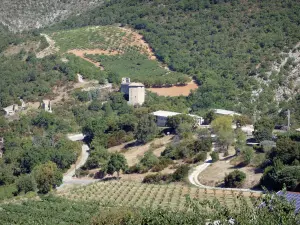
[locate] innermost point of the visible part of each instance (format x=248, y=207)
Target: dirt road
x=68, y=176
x=51, y=49
x=194, y=175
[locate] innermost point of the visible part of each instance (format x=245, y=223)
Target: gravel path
x=193, y=176
x=68, y=176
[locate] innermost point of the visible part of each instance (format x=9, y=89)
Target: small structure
x=162, y=117
x=298, y=129
x=11, y=110
x=135, y=92
x=224, y=112
x=46, y=105
x=1, y=146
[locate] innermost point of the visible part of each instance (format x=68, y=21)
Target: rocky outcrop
x=21, y=15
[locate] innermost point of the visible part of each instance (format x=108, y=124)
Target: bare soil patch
x=175, y=90
x=214, y=174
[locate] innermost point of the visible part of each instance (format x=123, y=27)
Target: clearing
x=214, y=174
x=175, y=90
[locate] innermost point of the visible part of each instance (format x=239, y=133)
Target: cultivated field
x=106, y=39
x=125, y=193
x=175, y=90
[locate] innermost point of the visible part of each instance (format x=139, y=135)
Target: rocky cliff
x=21, y=15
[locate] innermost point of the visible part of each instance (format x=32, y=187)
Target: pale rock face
x=21, y=15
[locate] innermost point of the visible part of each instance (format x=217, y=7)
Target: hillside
x=225, y=45
x=21, y=15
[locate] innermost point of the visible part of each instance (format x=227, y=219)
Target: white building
x=224, y=112
x=134, y=91
x=11, y=110
x=46, y=105
x=162, y=117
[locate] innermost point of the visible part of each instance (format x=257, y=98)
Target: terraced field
x=133, y=194
x=102, y=38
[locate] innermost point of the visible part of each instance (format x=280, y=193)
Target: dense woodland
x=223, y=44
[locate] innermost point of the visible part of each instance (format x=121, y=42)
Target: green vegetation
x=146, y=129
x=52, y=210
x=235, y=179
x=232, y=43
x=214, y=156
x=29, y=145
x=281, y=168
x=102, y=37
x=139, y=68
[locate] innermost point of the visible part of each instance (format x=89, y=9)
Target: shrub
x=214, y=156
x=248, y=155
x=26, y=183
x=163, y=163
x=158, y=178
x=235, y=179
x=202, y=156
x=138, y=168
x=181, y=172
x=149, y=160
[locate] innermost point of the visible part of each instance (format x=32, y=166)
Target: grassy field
x=134, y=194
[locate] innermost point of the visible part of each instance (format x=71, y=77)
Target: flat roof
x=165, y=113
x=226, y=112
x=136, y=85
x=168, y=113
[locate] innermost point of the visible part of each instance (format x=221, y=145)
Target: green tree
x=26, y=183
x=116, y=163
x=175, y=121
x=263, y=129
x=181, y=172
x=146, y=129
x=47, y=177
x=222, y=126
x=235, y=179
x=247, y=154
x=149, y=160
x=214, y=156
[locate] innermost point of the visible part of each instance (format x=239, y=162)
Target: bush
x=152, y=178
x=202, y=156
x=158, y=178
x=149, y=160
x=163, y=163
x=235, y=179
x=248, y=155
x=26, y=183
x=138, y=168
x=214, y=156
x=181, y=172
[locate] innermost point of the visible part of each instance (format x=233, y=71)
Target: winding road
x=196, y=171
x=68, y=177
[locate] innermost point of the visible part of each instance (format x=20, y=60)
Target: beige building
x=46, y=105
x=134, y=91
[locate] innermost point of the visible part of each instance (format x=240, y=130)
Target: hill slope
x=20, y=15
x=223, y=44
